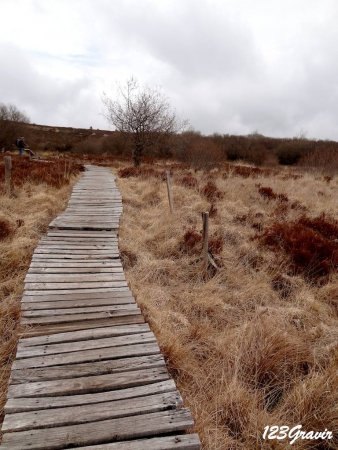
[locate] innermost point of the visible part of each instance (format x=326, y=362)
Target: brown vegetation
x=51, y=172
x=255, y=344
x=311, y=244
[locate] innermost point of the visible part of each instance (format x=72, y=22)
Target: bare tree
x=142, y=114
x=10, y=120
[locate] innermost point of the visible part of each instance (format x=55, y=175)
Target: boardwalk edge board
x=88, y=372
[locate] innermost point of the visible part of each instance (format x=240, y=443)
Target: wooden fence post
x=205, y=255
x=8, y=174
x=170, y=196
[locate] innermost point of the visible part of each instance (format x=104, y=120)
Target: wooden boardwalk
x=88, y=371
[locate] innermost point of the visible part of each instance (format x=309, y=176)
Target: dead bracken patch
x=269, y=194
x=326, y=226
x=211, y=192
x=216, y=245
x=311, y=252
x=191, y=241
x=6, y=228
x=246, y=171
x=54, y=173
x=188, y=181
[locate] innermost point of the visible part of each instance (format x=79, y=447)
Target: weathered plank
x=95, y=333
x=88, y=355
x=98, y=343
x=76, y=285
x=88, y=384
x=100, y=432
x=46, y=320
x=76, y=291
x=90, y=413
x=178, y=442
x=39, y=330
x=86, y=369
x=89, y=294
x=73, y=278
x=97, y=303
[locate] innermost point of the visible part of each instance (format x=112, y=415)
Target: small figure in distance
x=20, y=143
x=22, y=146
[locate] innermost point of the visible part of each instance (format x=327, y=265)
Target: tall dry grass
x=24, y=217
x=254, y=344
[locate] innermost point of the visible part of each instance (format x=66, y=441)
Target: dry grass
x=255, y=344
x=24, y=218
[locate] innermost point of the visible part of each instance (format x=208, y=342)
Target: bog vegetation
x=253, y=341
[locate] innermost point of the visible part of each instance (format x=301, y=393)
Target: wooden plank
x=86, y=369
x=39, y=330
x=95, y=333
x=88, y=355
x=75, y=270
x=81, y=256
x=82, y=234
x=58, y=311
x=100, y=432
x=111, y=263
x=78, y=317
x=71, y=277
x=90, y=413
x=98, y=343
x=178, y=442
x=98, y=303
x=78, y=239
x=76, y=285
x=88, y=384
x=89, y=295
x=77, y=291
x=77, y=247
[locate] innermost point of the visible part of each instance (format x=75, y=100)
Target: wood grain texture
x=88, y=371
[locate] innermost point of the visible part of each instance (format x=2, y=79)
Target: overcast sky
x=228, y=66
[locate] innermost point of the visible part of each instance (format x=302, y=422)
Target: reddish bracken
x=247, y=171
x=216, y=245
x=268, y=193
x=6, y=229
x=326, y=226
x=211, y=192
x=54, y=173
x=310, y=245
x=188, y=181
x=191, y=240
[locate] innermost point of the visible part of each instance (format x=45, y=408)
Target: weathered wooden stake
x=205, y=218
x=8, y=174
x=170, y=196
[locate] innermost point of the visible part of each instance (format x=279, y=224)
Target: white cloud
x=231, y=67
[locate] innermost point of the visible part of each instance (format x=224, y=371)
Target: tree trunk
x=136, y=154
